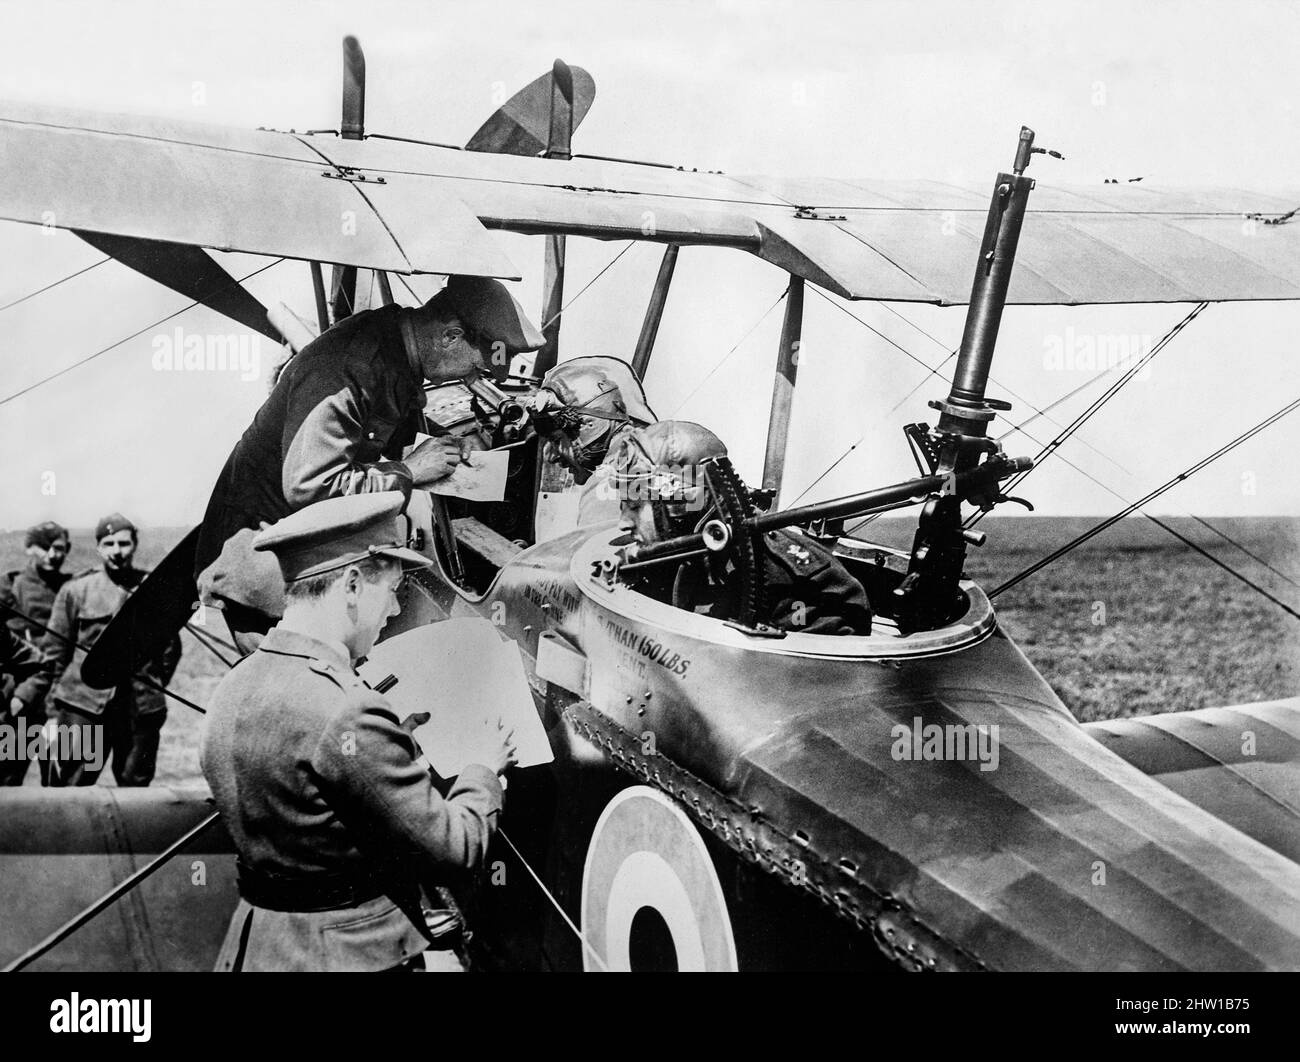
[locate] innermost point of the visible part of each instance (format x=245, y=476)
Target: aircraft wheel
x=651, y=898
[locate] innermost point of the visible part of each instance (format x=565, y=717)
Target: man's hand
x=433, y=460
x=16, y=706
x=505, y=755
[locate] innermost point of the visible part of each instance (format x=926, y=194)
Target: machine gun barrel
x=992, y=277
x=883, y=499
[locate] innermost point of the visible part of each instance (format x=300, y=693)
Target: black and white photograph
x=722, y=486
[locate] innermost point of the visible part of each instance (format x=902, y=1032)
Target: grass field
x=1131, y=623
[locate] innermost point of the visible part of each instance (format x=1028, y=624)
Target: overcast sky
x=1187, y=93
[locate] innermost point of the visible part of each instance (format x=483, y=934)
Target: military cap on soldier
x=46, y=534
x=112, y=524
x=486, y=307
x=336, y=532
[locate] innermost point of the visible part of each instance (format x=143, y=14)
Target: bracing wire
x=55, y=284
x=126, y=339
x=1151, y=496
x=726, y=357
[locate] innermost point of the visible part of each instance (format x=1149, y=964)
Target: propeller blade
x=522, y=125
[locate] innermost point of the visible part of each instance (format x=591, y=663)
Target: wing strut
x=787, y=367
x=559, y=146
x=322, y=304
x=352, y=126
x=654, y=312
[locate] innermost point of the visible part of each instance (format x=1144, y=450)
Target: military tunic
x=19, y=661
x=807, y=590
x=320, y=789
x=133, y=712
x=334, y=424
x=29, y=591
x=26, y=597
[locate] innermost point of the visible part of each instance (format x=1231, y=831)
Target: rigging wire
x=408, y=287
x=872, y=328
x=55, y=284
x=1151, y=496
x=193, y=633
x=1083, y=418
x=134, y=335
x=930, y=371
x=1097, y=403
x=555, y=903
x=739, y=343
x=1189, y=516
x=109, y=898
x=1194, y=545
x=559, y=313
x=198, y=623
x=1074, y=425
x=1253, y=556
x=608, y=265
x=138, y=676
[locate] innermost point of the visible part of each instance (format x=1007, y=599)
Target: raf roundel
x=650, y=893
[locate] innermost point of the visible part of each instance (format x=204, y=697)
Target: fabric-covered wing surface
x=1240, y=763
x=423, y=208
x=233, y=190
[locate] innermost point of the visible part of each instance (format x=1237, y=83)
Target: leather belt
x=311, y=892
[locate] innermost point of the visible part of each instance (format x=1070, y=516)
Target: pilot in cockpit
x=663, y=495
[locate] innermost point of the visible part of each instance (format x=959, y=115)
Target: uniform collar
x=406, y=333
x=292, y=643
x=126, y=579
x=42, y=574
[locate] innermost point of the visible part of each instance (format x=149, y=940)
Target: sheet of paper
x=557, y=513
x=481, y=477
x=467, y=678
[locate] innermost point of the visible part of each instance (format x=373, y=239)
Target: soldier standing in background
x=26, y=597
x=130, y=716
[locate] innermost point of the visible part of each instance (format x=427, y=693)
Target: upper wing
x=423, y=208
x=232, y=190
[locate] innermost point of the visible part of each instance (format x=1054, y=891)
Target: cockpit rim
x=977, y=623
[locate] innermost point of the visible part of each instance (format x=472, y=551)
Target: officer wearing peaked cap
x=338, y=418
x=340, y=832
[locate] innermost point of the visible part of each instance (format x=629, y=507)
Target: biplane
x=720, y=798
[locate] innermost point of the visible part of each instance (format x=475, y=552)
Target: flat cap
x=112, y=524
x=336, y=532
x=487, y=307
